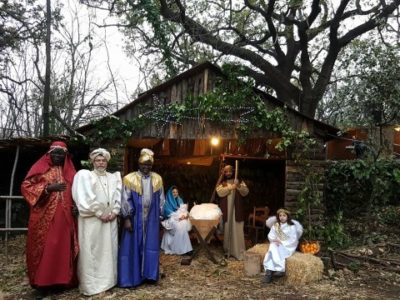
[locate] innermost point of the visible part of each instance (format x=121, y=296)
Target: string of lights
x=163, y=116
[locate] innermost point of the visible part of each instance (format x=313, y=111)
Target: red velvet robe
x=52, y=244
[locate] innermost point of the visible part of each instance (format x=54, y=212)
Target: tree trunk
x=47, y=90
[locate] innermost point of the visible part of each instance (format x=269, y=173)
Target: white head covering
x=100, y=151
x=146, y=155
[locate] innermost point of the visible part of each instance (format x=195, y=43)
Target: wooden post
x=231, y=215
x=8, y=201
x=205, y=83
x=236, y=169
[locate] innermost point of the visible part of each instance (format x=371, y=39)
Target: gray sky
x=125, y=69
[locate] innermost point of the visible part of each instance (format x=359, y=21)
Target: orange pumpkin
x=311, y=247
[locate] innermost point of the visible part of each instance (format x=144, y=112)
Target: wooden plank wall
x=295, y=183
x=176, y=93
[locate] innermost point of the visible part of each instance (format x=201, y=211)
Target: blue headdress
x=171, y=203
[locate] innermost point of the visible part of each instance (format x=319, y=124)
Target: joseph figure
x=231, y=192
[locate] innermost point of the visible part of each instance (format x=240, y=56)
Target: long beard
x=228, y=177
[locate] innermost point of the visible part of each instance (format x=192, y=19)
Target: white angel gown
x=289, y=236
x=95, y=194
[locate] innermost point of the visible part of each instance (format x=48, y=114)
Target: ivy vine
x=232, y=104
x=151, y=12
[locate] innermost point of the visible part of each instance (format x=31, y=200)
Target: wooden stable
x=185, y=157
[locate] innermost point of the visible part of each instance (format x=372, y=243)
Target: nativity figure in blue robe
x=141, y=206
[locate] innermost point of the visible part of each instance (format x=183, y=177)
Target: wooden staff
x=232, y=206
x=221, y=176
x=236, y=169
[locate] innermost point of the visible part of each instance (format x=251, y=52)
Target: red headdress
x=44, y=163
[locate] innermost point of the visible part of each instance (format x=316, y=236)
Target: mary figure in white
x=176, y=224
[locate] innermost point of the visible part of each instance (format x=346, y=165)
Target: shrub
x=357, y=186
x=334, y=234
x=389, y=215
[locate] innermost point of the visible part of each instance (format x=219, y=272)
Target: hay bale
x=260, y=249
x=255, y=255
x=303, y=268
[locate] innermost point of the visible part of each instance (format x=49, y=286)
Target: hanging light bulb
x=214, y=141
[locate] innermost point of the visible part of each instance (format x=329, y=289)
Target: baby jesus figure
x=182, y=212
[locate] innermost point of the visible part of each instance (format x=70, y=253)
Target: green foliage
x=389, y=215
x=309, y=199
x=370, y=91
x=396, y=175
x=86, y=164
x=364, y=188
x=359, y=185
x=148, y=10
x=112, y=128
x=333, y=232
x=236, y=102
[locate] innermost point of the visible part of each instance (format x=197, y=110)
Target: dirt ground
x=205, y=280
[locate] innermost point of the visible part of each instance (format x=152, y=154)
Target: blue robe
x=138, y=258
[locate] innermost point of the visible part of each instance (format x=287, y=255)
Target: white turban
x=100, y=151
x=146, y=155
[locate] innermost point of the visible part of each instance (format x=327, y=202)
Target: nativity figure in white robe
x=176, y=225
x=97, y=195
x=283, y=237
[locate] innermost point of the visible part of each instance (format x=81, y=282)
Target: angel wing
x=299, y=228
x=270, y=221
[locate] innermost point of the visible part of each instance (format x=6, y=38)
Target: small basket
x=312, y=247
